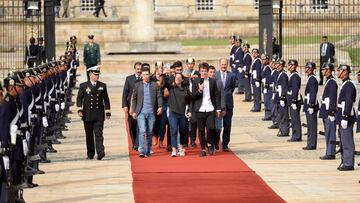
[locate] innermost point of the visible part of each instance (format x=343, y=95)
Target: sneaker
x=173, y=154
x=182, y=152
x=151, y=152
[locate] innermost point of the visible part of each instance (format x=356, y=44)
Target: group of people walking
x=180, y=103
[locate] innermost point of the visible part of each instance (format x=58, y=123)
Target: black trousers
x=133, y=131
x=206, y=120
x=193, y=127
x=94, y=128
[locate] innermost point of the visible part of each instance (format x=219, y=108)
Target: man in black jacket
x=93, y=105
x=206, y=101
x=327, y=53
x=126, y=98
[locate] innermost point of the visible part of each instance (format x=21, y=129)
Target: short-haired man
x=146, y=103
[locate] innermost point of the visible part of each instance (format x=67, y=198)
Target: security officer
x=10, y=141
x=32, y=53
x=328, y=110
x=92, y=55
x=283, y=110
x=41, y=51
x=93, y=104
x=294, y=100
x=246, y=68
x=273, y=90
x=239, y=57
x=345, y=117
x=266, y=82
x=256, y=80
x=311, y=106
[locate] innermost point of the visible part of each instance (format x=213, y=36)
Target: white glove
x=62, y=105
x=240, y=70
x=265, y=91
x=257, y=84
x=331, y=118
x=13, y=130
x=25, y=147
x=311, y=110
x=27, y=136
x=273, y=96
x=45, y=122
x=293, y=106
x=344, y=124
x=6, y=162
x=233, y=65
x=282, y=103
x=57, y=107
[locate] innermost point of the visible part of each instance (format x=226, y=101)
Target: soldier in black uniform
x=41, y=51
x=32, y=53
x=10, y=140
x=93, y=105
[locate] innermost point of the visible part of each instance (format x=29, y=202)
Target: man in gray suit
x=146, y=102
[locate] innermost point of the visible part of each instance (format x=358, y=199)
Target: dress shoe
x=309, y=148
x=283, y=135
x=40, y=171
x=45, y=161
x=217, y=148
x=203, y=153
x=186, y=145
x=327, y=157
x=90, y=157
x=253, y=110
x=345, y=168
x=273, y=127
x=51, y=150
x=141, y=155
x=239, y=92
x=101, y=156
x=55, y=141
x=247, y=100
x=294, y=140
x=211, y=151
x=33, y=185
x=226, y=149
x=193, y=144
x=266, y=119
x=168, y=148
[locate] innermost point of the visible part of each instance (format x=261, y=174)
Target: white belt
x=23, y=125
x=339, y=106
x=38, y=106
x=271, y=85
x=52, y=99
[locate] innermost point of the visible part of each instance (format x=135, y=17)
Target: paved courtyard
x=296, y=175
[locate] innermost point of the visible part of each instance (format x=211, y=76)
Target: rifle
x=320, y=132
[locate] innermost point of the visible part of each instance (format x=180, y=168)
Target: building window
x=204, y=5
x=320, y=4
x=87, y=6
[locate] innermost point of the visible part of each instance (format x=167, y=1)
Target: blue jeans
x=145, y=125
x=177, y=124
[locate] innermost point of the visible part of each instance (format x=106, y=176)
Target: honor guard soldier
x=32, y=53
x=9, y=138
x=266, y=81
x=294, y=100
x=232, y=53
x=328, y=110
x=92, y=55
x=256, y=80
x=275, y=97
x=283, y=110
x=345, y=117
x=93, y=106
x=239, y=61
x=246, y=68
x=311, y=106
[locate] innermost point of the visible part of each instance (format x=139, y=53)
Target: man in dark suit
x=126, y=100
x=93, y=106
x=228, y=84
x=146, y=102
x=327, y=53
x=206, y=104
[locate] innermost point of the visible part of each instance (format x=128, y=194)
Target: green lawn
x=354, y=55
x=254, y=40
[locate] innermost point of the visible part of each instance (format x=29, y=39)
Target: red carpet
x=193, y=179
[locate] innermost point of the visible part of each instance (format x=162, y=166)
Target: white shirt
x=206, y=104
x=323, y=50
x=93, y=83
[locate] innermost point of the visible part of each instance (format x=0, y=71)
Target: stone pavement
x=296, y=175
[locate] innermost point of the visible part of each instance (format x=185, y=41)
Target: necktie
x=223, y=79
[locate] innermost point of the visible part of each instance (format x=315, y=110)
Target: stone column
x=141, y=21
